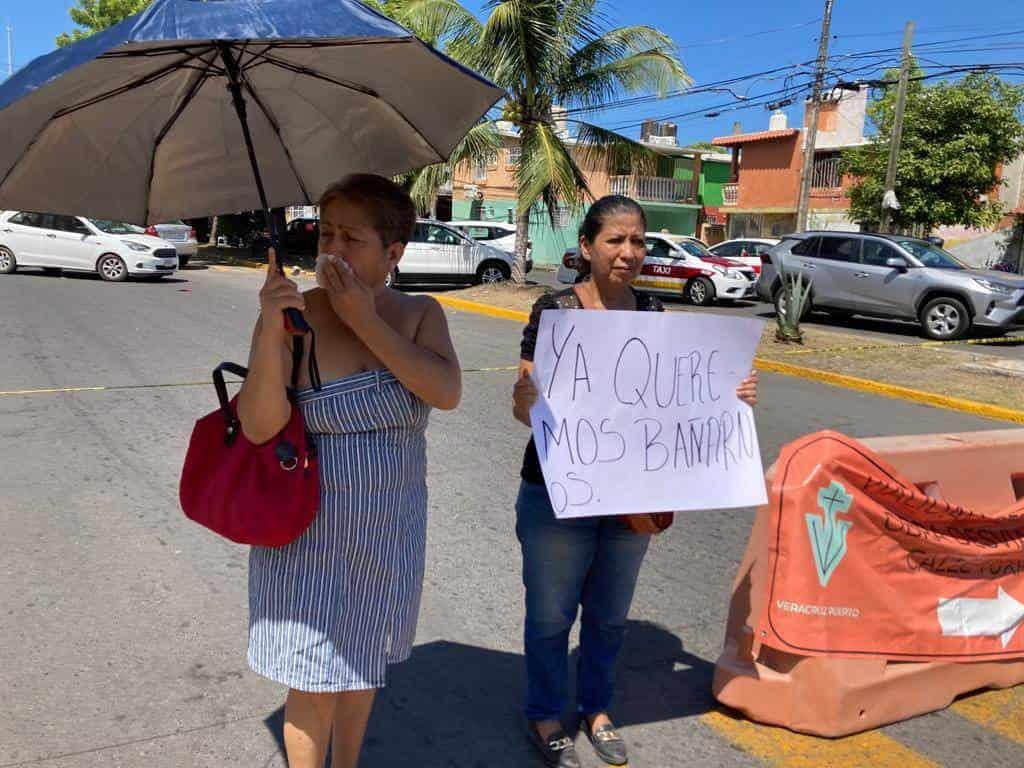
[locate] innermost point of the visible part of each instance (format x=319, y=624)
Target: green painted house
x=682, y=197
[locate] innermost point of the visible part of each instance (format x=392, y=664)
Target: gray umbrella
x=177, y=111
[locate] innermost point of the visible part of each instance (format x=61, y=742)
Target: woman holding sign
x=591, y=562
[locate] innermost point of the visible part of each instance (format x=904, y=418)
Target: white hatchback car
x=681, y=266
x=440, y=253
x=58, y=242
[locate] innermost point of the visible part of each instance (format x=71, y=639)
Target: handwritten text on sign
x=638, y=412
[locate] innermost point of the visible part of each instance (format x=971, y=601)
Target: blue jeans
x=591, y=562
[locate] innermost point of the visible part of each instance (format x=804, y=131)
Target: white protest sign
x=637, y=412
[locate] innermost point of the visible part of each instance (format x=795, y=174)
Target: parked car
x=440, y=253
x=892, y=276
x=57, y=242
x=298, y=238
x=496, y=233
x=745, y=250
x=678, y=265
x=179, y=234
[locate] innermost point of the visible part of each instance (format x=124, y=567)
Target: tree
x=549, y=54
x=955, y=135
x=92, y=16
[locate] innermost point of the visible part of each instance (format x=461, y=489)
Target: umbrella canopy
x=141, y=122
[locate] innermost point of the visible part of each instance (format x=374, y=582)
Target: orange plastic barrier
x=868, y=554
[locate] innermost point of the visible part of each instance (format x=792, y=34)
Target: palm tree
x=546, y=54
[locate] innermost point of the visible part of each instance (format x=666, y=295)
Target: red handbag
x=264, y=495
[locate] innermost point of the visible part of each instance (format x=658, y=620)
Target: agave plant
x=548, y=55
x=791, y=305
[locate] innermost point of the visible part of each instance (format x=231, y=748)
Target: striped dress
x=331, y=610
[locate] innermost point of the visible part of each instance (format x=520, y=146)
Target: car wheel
x=945, y=319
x=491, y=272
x=112, y=268
x=7, y=261
x=392, y=279
x=780, y=306
x=700, y=291
x=183, y=261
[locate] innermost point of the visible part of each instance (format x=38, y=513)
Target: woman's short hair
x=388, y=205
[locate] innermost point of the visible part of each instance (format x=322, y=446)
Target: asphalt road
x=123, y=634
x=1010, y=347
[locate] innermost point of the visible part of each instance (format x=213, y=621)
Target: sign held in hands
x=637, y=412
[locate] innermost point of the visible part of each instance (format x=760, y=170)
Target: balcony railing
x=654, y=188
x=730, y=194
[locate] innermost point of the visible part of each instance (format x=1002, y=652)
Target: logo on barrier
x=828, y=533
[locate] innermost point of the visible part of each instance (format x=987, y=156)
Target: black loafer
x=607, y=743
x=558, y=750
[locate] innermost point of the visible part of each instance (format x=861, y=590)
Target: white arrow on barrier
x=974, y=617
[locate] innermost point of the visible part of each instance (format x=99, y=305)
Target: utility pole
x=10, y=50
x=889, y=201
x=812, y=127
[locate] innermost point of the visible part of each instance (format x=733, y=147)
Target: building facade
x=683, y=196
x=763, y=193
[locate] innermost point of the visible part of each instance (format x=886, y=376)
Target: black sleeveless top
x=567, y=299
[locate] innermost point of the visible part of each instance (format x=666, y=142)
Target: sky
x=723, y=40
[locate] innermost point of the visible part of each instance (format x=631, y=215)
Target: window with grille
x=560, y=217
x=826, y=171
x=515, y=153
x=479, y=171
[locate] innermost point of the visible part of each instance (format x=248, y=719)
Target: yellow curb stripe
x=483, y=309
x=1000, y=711
x=252, y=265
x=778, y=746
x=812, y=374
x=891, y=390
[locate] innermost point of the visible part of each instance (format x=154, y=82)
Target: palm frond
x=518, y=42
x=626, y=60
x=440, y=23
x=548, y=172
x=480, y=144
x=617, y=154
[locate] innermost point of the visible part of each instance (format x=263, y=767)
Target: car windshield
x=931, y=255
x=695, y=249
x=117, y=227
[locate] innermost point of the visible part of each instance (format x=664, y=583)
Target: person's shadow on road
x=459, y=706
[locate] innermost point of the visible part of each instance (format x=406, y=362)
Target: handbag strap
x=231, y=423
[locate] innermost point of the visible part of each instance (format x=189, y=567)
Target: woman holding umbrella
x=330, y=611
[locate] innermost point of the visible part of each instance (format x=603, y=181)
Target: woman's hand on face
x=351, y=298
x=524, y=395
x=277, y=294
x=747, y=390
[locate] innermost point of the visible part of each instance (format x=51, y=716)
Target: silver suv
x=898, y=277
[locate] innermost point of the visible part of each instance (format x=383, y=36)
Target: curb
x=811, y=374
x=252, y=265
x=483, y=309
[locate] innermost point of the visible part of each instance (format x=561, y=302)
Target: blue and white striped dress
x=331, y=610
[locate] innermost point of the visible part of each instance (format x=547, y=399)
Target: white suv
x=440, y=253
x=58, y=242
x=496, y=233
